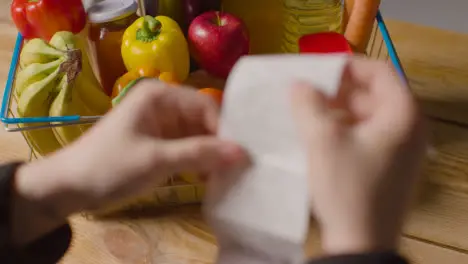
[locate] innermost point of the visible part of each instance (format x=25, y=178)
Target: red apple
x=217, y=40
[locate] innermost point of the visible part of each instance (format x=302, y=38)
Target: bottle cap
x=109, y=10
x=325, y=42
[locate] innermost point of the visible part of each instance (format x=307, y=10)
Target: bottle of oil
x=301, y=17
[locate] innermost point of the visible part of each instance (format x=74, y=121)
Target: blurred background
x=445, y=14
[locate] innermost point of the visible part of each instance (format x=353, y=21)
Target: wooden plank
x=436, y=62
x=441, y=216
x=423, y=253
x=442, y=213
x=182, y=237
x=449, y=165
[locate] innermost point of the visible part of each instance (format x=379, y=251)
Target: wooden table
x=437, y=232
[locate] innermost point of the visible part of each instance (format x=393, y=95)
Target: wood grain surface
x=436, y=62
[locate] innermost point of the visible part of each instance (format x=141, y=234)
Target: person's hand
x=155, y=132
x=363, y=165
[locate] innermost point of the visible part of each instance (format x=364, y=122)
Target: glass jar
x=108, y=21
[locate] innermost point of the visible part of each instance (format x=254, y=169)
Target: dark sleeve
x=370, y=258
x=46, y=250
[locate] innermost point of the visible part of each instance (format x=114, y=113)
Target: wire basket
x=177, y=191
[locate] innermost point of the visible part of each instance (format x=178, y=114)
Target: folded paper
x=260, y=214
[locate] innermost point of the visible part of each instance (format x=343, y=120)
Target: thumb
x=201, y=154
x=312, y=115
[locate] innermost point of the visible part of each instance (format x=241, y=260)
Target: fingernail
x=230, y=150
x=233, y=154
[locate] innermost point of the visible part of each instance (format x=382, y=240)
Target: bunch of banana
x=35, y=100
x=38, y=51
x=68, y=102
x=56, y=79
x=86, y=83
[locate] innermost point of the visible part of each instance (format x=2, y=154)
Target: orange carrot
x=360, y=24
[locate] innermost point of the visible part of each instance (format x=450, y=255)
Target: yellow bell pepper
x=157, y=42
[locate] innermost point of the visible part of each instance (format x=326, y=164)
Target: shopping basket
x=176, y=191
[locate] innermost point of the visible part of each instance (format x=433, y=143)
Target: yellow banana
x=189, y=177
x=86, y=83
x=38, y=51
x=178, y=194
x=33, y=72
x=64, y=40
x=35, y=101
x=68, y=102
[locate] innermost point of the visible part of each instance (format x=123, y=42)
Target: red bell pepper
x=43, y=18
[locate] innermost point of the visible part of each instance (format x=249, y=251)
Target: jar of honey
x=108, y=21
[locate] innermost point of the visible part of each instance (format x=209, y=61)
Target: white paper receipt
x=265, y=210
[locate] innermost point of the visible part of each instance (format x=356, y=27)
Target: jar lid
x=109, y=10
